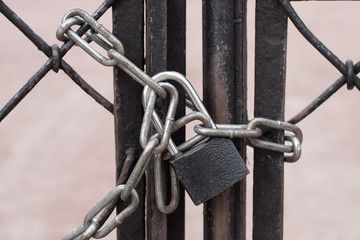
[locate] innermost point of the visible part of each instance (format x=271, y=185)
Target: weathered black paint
x=128, y=25
x=224, y=60
x=156, y=61
x=240, y=109
x=270, y=58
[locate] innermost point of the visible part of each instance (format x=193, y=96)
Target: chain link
x=150, y=113
x=113, y=47
x=71, y=18
x=277, y=147
x=229, y=131
x=140, y=167
x=295, y=139
x=253, y=134
x=91, y=225
x=159, y=146
x=160, y=188
x=296, y=146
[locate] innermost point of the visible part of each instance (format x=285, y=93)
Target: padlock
x=209, y=167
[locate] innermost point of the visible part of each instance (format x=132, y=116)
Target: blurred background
x=57, y=147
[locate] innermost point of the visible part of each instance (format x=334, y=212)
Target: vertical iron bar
x=128, y=26
x=224, y=61
x=156, y=55
x=240, y=105
x=270, y=57
x=176, y=12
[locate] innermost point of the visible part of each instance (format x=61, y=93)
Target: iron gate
x=224, y=96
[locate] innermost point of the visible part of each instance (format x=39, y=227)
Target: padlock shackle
x=191, y=93
x=188, y=87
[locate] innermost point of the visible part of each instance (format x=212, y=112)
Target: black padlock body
x=209, y=168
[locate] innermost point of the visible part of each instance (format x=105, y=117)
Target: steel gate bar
x=270, y=56
x=128, y=25
x=240, y=106
x=176, y=20
x=156, y=61
x=224, y=72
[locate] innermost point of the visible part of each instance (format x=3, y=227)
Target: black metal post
x=156, y=61
x=240, y=107
x=128, y=26
x=176, y=20
x=224, y=60
x=270, y=57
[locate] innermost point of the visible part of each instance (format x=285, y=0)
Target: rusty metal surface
x=270, y=53
x=128, y=27
x=224, y=215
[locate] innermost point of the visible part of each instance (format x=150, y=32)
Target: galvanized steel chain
x=160, y=146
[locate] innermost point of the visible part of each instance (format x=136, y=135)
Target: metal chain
x=159, y=146
x=109, y=42
x=90, y=227
x=251, y=132
x=150, y=113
